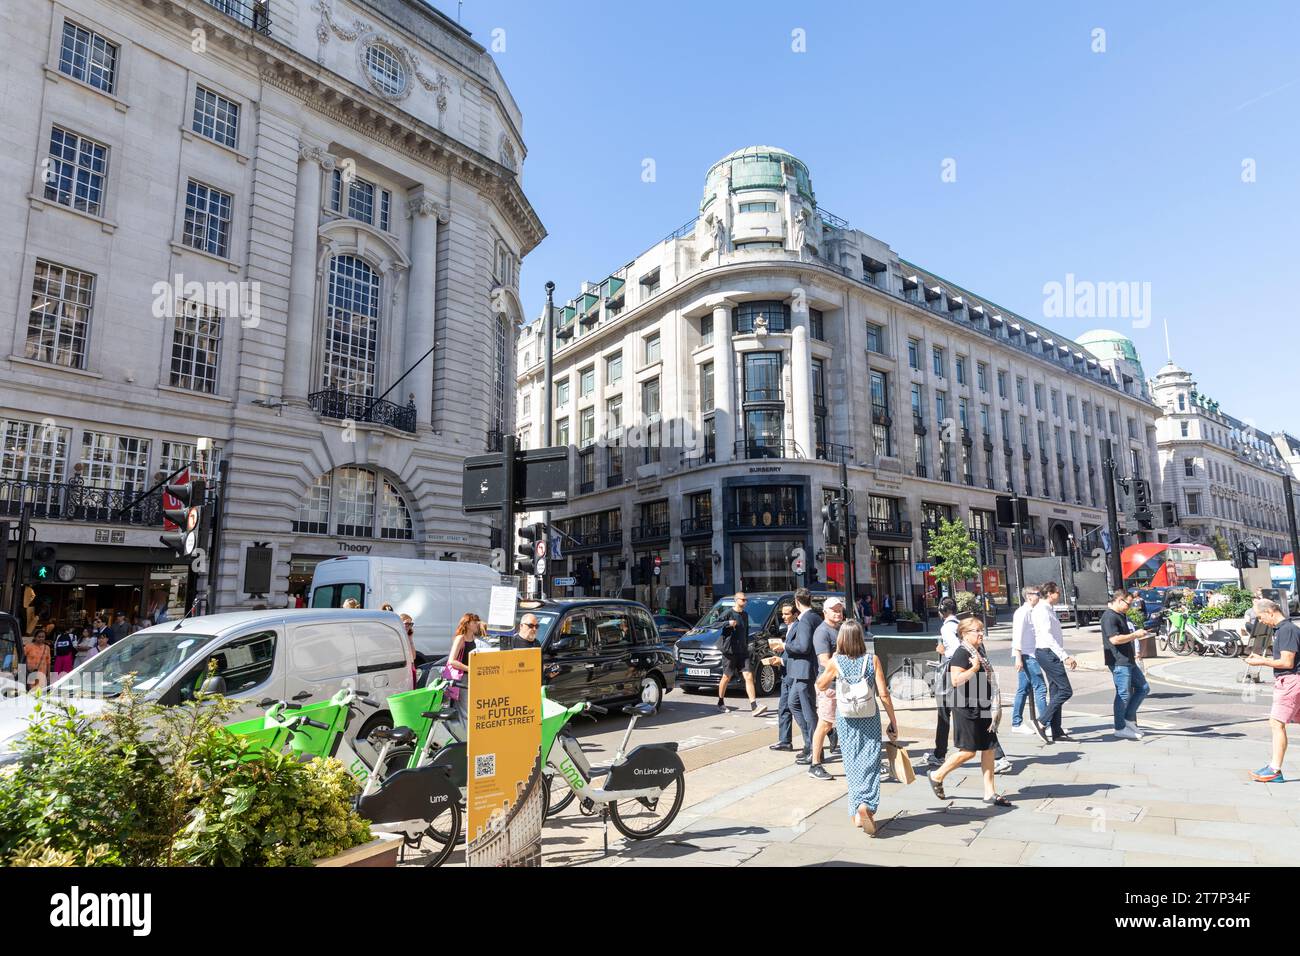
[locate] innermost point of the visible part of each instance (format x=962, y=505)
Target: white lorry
x=434, y=593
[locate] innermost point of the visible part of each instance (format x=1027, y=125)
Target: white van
x=434, y=593
x=300, y=656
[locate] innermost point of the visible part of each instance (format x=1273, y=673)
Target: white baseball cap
x=833, y=602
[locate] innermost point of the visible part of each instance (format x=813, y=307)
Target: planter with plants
x=145, y=785
x=908, y=622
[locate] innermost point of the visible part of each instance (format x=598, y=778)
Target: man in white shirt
x=1028, y=673
x=1052, y=658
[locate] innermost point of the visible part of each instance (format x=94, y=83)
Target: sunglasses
x=529, y=625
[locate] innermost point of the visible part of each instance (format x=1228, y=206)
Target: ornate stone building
x=247, y=220
x=712, y=386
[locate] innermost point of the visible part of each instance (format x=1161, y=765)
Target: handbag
x=450, y=675
x=856, y=698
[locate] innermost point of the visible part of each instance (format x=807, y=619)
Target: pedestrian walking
x=824, y=643
x=784, y=716
x=801, y=668
x=1285, y=663
x=1119, y=645
x=887, y=609
x=947, y=646
x=1029, y=676
x=736, y=658
x=1053, y=659
x=37, y=658
x=857, y=721
x=64, y=651
x=976, y=709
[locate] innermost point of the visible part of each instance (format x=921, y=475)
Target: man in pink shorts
x=824, y=639
x=1286, y=683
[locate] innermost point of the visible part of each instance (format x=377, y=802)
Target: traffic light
x=1246, y=554
x=1142, y=504
x=43, y=557
x=182, y=516
x=531, y=538
x=1168, y=514
x=831, y=523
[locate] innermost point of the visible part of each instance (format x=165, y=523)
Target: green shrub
x=147, y=785
x=966, y=602
x=1137, y=617
x=906, y=615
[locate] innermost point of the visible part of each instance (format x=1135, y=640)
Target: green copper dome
x=1108, y=344
x=757, y=167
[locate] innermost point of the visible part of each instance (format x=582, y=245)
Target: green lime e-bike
x=640, y=791
x=420, y=802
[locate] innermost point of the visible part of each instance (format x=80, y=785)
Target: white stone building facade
x=711, y=387
x=1224, y=474
x=245, y=220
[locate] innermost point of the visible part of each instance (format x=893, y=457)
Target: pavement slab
x=1235, y=851
x=1049, y=855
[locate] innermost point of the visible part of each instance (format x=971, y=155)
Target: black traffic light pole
x=24, y=531
x=850, y=568
x=1017, y=529
x=1289, y=492
x=1114, y=559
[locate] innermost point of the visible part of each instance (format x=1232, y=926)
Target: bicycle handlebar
x=597, y=709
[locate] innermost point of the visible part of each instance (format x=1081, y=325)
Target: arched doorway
x=1060, y=539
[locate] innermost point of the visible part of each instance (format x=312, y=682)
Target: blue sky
x=1119, y=166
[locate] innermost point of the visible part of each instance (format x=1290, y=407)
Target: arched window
x=351, y=327
x=347, y=502
x=394, y=518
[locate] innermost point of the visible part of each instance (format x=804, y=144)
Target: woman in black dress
x=977, y=705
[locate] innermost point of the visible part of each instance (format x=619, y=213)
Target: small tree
x=953, y=553
x=1220, y=546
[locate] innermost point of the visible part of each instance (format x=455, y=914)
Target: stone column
x=298, y=351
x=801, y=383
x=724, y=390
x=424, y=214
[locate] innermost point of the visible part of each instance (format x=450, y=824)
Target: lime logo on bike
x=571, y=775
x=359, y=770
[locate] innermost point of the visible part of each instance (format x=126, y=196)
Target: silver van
x=296, y=655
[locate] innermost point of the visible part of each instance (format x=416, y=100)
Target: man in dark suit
x=801, y=670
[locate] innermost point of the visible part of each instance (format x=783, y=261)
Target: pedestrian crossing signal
x=43, y=562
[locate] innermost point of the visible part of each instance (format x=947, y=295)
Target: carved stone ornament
x=318, y=155
x=365, y=36
x=424, y=206
x=506, y=153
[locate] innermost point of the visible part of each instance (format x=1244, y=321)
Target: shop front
x=765, y=522
x=890, y=573
x=98, y=580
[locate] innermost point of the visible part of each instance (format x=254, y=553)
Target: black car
x=601, y=649
x=670, y=628
x=699, y=662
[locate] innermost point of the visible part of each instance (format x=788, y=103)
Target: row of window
x=41, y=452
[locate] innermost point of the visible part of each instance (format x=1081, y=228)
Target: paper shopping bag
x=900, y=763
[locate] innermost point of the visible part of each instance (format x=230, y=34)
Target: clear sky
x=1117, y=166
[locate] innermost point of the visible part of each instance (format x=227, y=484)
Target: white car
x=301, y=656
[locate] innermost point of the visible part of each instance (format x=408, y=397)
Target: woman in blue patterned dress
x=860, y=736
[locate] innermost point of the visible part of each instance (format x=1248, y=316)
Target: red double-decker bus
x=1155, y=565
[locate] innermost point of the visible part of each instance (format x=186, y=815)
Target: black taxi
x=599, y=650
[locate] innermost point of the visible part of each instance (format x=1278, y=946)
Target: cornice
x=348, y=104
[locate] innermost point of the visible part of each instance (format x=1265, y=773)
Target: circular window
x=385, y=69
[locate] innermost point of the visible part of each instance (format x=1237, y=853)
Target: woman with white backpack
x=860, y=686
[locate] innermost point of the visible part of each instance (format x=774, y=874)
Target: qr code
x=485, y=765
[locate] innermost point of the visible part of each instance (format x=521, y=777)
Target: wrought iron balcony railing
x=701, y=525
x=893, y=528
x=765, y=520
x=761, y=448
x=251, y=13
x=76, y=501
x=332, y=403
x=829, y=451
x=651, y=532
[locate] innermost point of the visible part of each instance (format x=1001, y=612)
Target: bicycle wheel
x=438, y=840
x=645, y=817
x=559, y=795
x=1181, y=642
